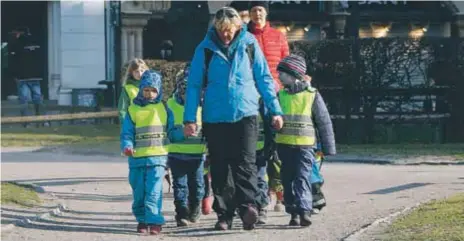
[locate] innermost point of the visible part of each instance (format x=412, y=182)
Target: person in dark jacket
x=242, y=9
x=26, y=58
x=305, y=114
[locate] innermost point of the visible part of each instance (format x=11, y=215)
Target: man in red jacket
x=274, y=45
x=272, y=42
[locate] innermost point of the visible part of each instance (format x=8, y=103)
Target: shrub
x=167, y=69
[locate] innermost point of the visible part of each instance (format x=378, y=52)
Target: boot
x=249, y=217
x=262, y=216
x=305, y=219
x=194, y=213
x=155, y=229
x=206, y=205
x=318, y=197
x=223, y=223
x=181, y=216
x=294, y=221
x=142, y=228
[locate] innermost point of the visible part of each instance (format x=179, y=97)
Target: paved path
x=96, y=191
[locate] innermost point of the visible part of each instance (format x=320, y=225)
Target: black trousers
x=232, y=147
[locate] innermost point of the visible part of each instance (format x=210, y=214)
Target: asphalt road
x=96, y=191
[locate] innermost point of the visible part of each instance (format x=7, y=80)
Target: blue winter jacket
x=234, y=86
x=152, y=79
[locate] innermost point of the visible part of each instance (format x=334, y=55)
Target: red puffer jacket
x=274, y=45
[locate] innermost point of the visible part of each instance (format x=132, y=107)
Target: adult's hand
x=190, y=129
x=277, y=122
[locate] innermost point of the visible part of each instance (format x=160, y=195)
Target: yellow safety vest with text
x=150, y=129
x=298, y=126
x=192, y=145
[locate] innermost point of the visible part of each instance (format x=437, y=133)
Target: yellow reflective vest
x=192, y=145
x=298, y=126
x=151, y=137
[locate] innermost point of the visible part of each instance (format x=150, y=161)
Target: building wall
x=78, y=55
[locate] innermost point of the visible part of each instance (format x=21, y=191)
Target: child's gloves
x=128, y=151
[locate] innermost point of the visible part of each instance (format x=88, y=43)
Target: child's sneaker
x=262, y=216
x=155, y=229
x=206, y=205
x=194, y=213
x=305, y=219
x=142, y=228
x=181, y=222
x=294, y=221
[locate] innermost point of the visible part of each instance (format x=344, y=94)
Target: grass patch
x=408, y=150
x=61, y=135
x=12, y=193
x=437, y=220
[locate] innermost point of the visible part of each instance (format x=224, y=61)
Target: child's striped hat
x=293, y=65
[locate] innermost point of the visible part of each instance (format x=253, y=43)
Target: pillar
x=139, y=43
x=131, y=44
x=124, y=57
x=133, y=24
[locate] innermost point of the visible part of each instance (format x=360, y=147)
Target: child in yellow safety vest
x=146, y=133
x=130, y=85
x=305, y=113
x=186, y=160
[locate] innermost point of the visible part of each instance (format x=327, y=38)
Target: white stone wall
x=82, y=44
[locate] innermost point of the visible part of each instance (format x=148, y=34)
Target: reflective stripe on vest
x=298, y=126
x=131, y=91
x=260, y=143
x=150, y=129
x=192, y=145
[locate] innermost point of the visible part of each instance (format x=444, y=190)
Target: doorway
x=30, y=15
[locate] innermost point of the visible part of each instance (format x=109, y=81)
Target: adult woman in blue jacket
x=229, y=68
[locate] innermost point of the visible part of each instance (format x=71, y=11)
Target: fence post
x=457, y=90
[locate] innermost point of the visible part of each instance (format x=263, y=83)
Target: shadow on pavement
x=93, y=229
x=399, y=188
x=199, y=232
x=92, y=197
x=39, y=156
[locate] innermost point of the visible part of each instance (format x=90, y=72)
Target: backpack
x=250, y=49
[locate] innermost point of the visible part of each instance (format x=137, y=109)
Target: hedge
x=167, y=69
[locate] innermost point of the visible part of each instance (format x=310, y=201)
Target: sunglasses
x=226, y=12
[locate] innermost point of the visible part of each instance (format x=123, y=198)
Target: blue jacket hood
x=212, y=39
x=150, y=79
